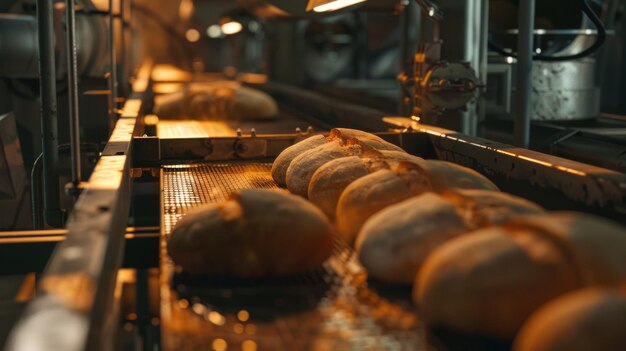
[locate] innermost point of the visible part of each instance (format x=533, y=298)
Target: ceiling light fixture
x=232, y=27
x=330, y=5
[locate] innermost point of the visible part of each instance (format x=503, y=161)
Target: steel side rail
x=75, y=294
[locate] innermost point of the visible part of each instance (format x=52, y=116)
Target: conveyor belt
x=330, y=309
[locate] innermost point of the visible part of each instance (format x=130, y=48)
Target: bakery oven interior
x=97, y=165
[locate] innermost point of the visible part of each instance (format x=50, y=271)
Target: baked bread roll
x=373, y=141
x=490, y=281
x=329, y=180
x=255, y=233
x=337, y=135
x=373, y=192
x=586, y=320
x=217, y=100
x=446, y=175
x=282, y=162
x=304, y=165
x=393, y=243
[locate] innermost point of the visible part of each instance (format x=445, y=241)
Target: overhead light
x=214, y=31
x=186, y=9
x=330, y=5
x=232, y=27
x=192, y=35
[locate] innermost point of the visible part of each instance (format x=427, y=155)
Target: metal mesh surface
x=333, y=308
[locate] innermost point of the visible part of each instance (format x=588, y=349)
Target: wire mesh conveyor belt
x=330, y=309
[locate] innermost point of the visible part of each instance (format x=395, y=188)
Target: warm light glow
x=198, y=308
x=193, y=129
x=335, y=5
x=252, y=78
x=185, y=10
x=534, y=160
x=238, y=328
x=506, y=153
x=243, y=315
x=572, y=171
x=248, y=345
x=140, y=84
x=214, y=31
x=232, y=27
x=216, y=318
x=192, y=35
x=183, y=303
x=169, y=73
x=219, y=345
x=167, y=88
x=250, y=329
x=131, y=108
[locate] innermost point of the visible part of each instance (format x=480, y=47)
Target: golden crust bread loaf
x=342, y=136
x=217, y=100
x=393, y=243
x=373, y=192
x=585, y=320
x=255, y=233
x=446, y=175
x=490, y=281
x=303, y=166
x=282, y=162
x=330, y=180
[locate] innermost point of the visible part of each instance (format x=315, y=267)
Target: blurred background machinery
x=490, y=72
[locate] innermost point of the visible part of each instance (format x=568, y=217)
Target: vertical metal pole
x=112, y=59
x=49, y=127
x=36, y=194
x=405, y=53
x=72, y=70
x=524, y=69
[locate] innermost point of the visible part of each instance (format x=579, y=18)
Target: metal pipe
x=405, y=53
x=72, y=70
x=113, y=62
x=526, y=22
x=49, y=127
x=36, y=193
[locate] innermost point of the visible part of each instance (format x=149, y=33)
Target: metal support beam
x=113, y=61
x=72, y=70
x=29, y=251
x=49, y=127
x=526, y=22
x=76, y=291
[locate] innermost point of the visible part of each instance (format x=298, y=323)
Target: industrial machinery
x=92, y=179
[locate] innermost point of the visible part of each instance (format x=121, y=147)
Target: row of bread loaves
x=351, y=175
x=490, y=281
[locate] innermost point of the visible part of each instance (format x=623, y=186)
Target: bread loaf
x=336, y=135
x=282, y=162
x=373, y=192
x=330, y=180
x=585, y=320
x=255, y=233
x=446, y=175
x=393, y=243
x=217, y=100
x=369, y=139
x=303, y=166
x=488, y=282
